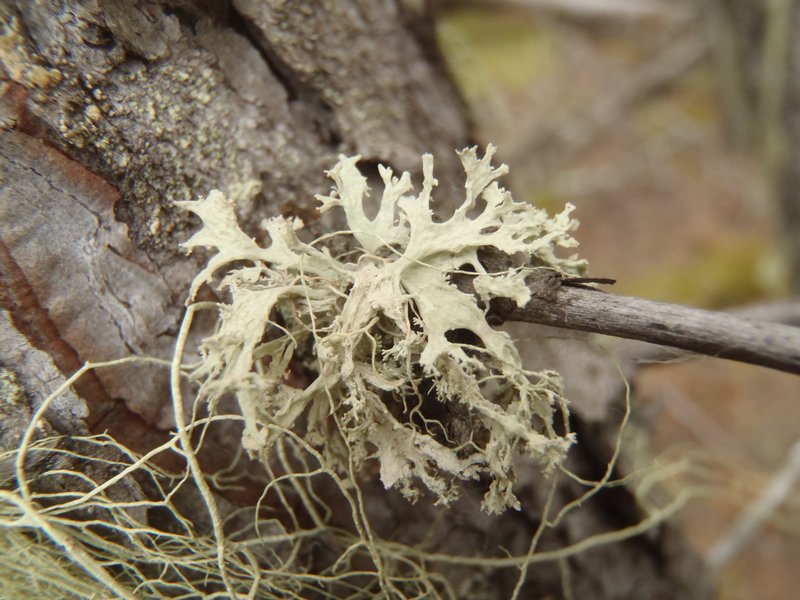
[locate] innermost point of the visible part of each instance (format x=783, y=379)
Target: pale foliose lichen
x=405, y=371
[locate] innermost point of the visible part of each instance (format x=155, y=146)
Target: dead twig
x=705, y=332
x=637, y=354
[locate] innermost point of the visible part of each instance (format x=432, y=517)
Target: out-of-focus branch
x=572, y=134
x=711, y=333
x=729, y=69
x=784, y=311
x=587, y=9
x=746, y=527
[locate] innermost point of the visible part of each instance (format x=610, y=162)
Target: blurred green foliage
x=729, y=273
x=490, y=50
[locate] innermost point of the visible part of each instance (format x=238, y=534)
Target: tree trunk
x=113, y=110
x=789, y=180
x=757, y=63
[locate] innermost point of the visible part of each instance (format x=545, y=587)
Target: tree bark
x=111, y=111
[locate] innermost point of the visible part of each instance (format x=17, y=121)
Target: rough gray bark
x=112, y=110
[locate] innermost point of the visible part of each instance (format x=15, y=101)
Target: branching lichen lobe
x=384, y=322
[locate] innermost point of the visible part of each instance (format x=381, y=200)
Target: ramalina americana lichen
x=408, y=372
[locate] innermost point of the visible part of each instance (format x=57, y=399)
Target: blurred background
x=673, y=126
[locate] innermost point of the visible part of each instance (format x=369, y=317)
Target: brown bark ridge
x=112, y=110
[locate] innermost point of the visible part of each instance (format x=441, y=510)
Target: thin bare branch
x=635, y=353
x=711, y=333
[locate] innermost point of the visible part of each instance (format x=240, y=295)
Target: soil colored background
x=621, y=116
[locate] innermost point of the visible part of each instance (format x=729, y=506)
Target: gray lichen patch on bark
x=188, y=103
x=166, y=102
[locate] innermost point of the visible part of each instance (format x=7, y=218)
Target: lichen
x=406, y=370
